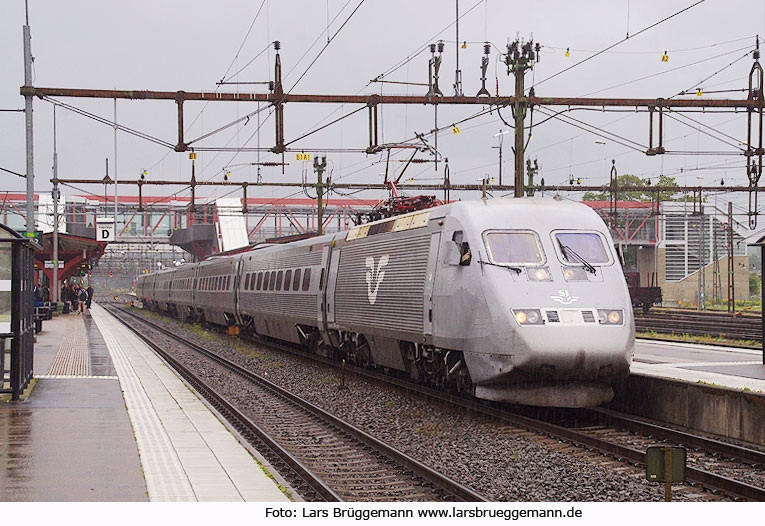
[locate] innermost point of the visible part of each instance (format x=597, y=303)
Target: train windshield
x=587, y=245
x=514, y=248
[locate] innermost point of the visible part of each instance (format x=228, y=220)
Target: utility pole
x=520, y=58
x=54, y=286
x=320, y=166
x=116, y=197
x=731, y=284
x=716, y=284
x=457, y=72
x=30, y=135
x=702, y=266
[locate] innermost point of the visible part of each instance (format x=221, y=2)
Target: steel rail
x=694, y=475
x=615, y=418
x=705, y=478
x=747, y=327
x=439, y=480
x=308, y=478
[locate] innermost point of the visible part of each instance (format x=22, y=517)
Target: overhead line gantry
x=520, y=57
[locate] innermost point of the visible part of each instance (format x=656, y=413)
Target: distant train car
x=643, y=297
x=518, y=300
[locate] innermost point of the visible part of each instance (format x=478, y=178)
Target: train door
x=428, y=305
x=329, y=292
x=237, y=282
x=322, y=286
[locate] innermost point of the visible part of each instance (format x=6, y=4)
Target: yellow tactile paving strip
x=72, y=357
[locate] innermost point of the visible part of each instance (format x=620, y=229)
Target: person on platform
x=82, y=298
x=90, y=294
x=66, y=297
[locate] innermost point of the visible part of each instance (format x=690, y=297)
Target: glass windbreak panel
x=587, y=245
x=5, y=288
x=514, y=248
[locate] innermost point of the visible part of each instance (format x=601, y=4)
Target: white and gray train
x=513, y=300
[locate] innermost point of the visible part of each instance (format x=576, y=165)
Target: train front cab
x=537, y=326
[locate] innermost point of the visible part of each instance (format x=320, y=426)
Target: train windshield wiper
x=568, y=250
x=517, y=270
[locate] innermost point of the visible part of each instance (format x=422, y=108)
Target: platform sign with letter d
x=105, y=229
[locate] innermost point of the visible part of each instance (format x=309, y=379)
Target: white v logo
x=375, y=275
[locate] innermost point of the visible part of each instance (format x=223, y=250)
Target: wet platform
x=730, y=367
x=107, y=420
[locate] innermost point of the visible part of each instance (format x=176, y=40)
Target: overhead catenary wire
x=669, y=51
x=109, y=123
x=11, y=172
x=620, y=42
x=233, y=61
x=701, y=82
x=670, y=115
x=671, y=70
x=326, y=45
x=424, y=46
x=244, y=40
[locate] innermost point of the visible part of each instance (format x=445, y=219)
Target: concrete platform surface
x=728, y=367
x=108, y=421
x=71, y=439
x=186, y=453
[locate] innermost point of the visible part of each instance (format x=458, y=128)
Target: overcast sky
x=190, y=45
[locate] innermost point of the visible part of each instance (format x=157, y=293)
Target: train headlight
x=538, y=273
x=611, y=316
x=528, y=316
x=574, y=274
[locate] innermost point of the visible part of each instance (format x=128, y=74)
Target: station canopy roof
x=71, y=243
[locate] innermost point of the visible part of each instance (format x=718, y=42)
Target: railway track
x=701, y=323
x=324, y=457
x=612, y=435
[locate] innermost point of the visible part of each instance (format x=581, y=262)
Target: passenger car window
x=287, y=280
x=296, y=281
x=272, y=281
x=279, y=277
x=514, y=248
x=306, y=279
x=260, y=280
x=587, y=245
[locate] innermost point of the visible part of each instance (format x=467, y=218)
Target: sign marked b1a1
x=105, y=229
